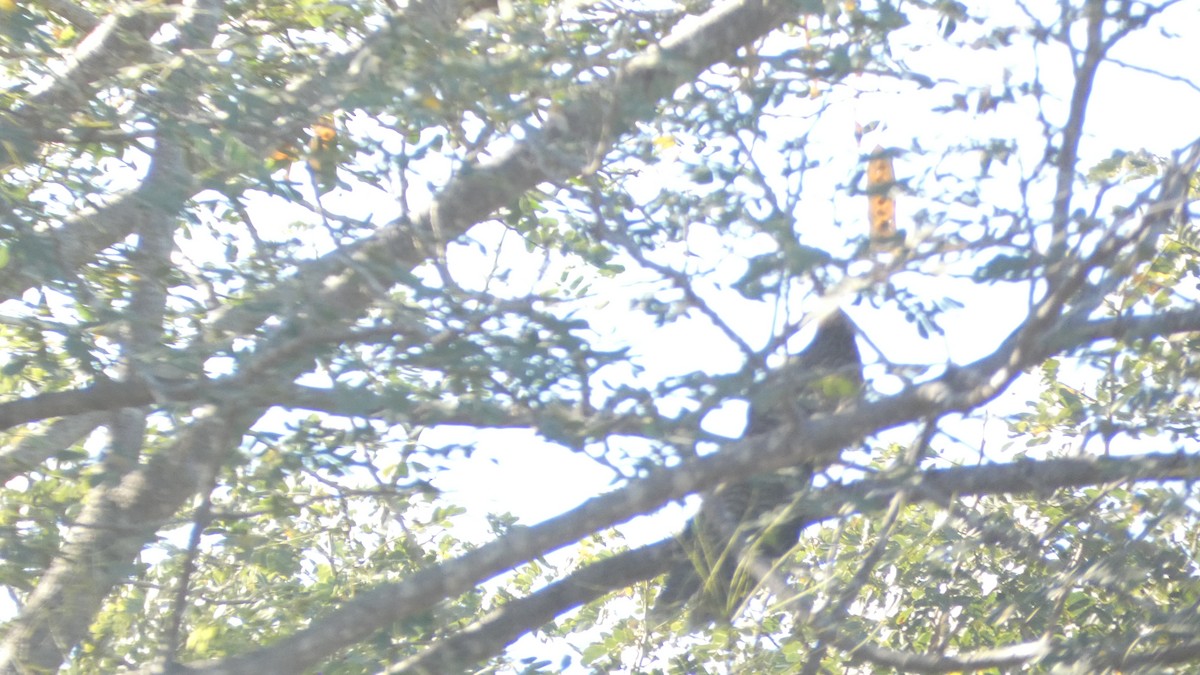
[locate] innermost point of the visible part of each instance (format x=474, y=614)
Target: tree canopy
x=355, y=336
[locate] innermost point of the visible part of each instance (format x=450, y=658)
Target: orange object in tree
x=286, y=154
x=881, y=179
x=323, y=152
x=323, y=156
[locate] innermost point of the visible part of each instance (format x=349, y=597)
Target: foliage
x=349, y=337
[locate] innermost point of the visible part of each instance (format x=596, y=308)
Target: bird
x=743, y=526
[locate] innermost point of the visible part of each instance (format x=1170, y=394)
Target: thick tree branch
x=1012, y=656
x=109, y=395
x=119, y=516
x=1067, y=155
x=480, y=414
x=34, y=449
x=114, y=525
x=570, y=141
x=119, y=40
x=492, y=634
x=168, y=183
x=105, y=395
x=52, y=255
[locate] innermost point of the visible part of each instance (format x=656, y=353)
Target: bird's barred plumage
x=746, y=520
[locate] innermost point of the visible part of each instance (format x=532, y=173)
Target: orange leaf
x=286, y=153
x=323, y=130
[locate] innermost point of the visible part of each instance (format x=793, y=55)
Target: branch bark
x=492, y=634
x=112, y=528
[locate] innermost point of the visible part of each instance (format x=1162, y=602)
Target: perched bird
x=746, y=521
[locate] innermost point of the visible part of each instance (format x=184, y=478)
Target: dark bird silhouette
x=746, y=521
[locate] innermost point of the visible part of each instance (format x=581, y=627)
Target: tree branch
x=52, y=255
x=113, y=526
x=104, y=395
x=560, y=149
x=168, y=183
x=34, y=449
x=491, y=635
